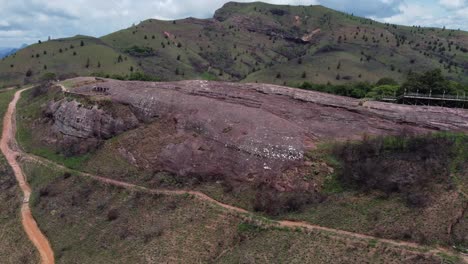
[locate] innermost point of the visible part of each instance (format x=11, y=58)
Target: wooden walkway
x=427, y=99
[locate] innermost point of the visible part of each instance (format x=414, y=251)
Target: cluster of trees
x=134, y=76
x=402, y=164
x=430, y=82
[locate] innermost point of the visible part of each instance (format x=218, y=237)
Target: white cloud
x=429, y=16
x=453, y=4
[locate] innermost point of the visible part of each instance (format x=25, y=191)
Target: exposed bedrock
x=247, y=131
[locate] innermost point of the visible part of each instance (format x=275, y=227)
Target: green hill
x=251, y=42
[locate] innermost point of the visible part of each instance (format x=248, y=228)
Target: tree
x=304, y=75
x=88, y=63
x=29, y=73
x=380, y=91
x=430, y=81
x=48, y=77
x=278, y=75
x=99, y=64
x=178, y=57
x=386, y=81
x=131, y=68
x=82, y=43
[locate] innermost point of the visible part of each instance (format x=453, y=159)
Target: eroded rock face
x=241, y=131
x=82, y=127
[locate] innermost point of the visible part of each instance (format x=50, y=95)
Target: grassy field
x=15, y=247
x=88, y=222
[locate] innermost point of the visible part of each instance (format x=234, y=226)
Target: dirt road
x=8, y=147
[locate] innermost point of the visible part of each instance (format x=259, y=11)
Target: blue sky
x=26, y=21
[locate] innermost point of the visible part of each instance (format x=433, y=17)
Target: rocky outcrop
x=217, y=130
x=80, y=128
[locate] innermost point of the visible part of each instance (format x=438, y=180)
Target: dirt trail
x=7, y=133
x=7, y=145
x=282, y=223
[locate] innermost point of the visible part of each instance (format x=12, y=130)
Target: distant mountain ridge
x=8, y=51
x=251, y=42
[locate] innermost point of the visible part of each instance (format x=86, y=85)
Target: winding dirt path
x=411, y=246
x=8, y=146
x=46, y=252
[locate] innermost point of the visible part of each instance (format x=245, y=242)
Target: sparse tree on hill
x=278, y=75
x=304, y=75
x=82, y=43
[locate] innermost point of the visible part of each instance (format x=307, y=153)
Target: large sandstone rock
x=82, y=127
x=241, y=131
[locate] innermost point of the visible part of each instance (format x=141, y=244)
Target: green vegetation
x=98, y=223
x=348, y=49
x=430, y=82
x=29, y=109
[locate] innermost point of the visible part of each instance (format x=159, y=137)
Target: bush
x=386, y=90
x=273, y=202
x=386, y=81
x=112, y=215
x=49, y=76
x=398, y=164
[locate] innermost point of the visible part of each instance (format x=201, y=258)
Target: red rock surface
x=216, y=129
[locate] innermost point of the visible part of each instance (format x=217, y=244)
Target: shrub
x=398, y=164
x=48, y=76
x=112, y=215
x=386, y=81
x=273, y=202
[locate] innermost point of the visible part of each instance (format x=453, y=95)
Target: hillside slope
x=251, y=42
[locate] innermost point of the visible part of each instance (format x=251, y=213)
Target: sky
x=27, y=21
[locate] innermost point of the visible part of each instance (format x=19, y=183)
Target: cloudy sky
x=26, y=21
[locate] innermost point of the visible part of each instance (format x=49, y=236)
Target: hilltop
x=251, y=42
